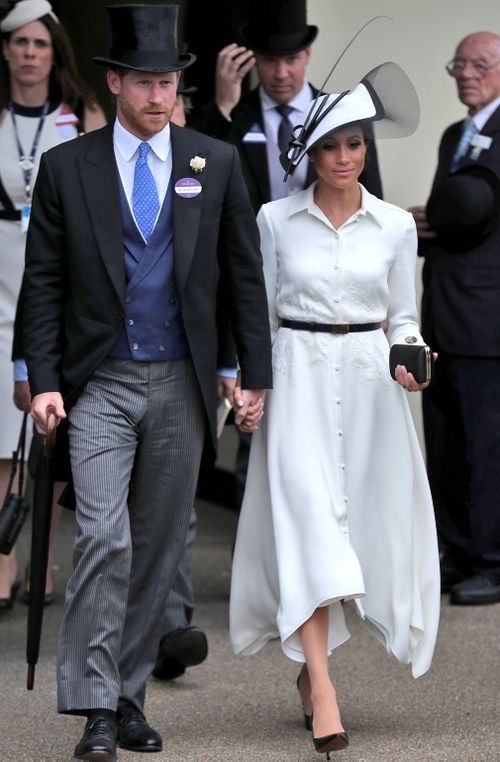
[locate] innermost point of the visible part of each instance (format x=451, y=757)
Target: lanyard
x=26, y=161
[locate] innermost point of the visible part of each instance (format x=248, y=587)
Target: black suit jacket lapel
x=99, y=176
x=185, y=211
x=493, y=123
x=253, y=155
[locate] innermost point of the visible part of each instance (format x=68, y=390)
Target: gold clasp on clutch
x=411, y=340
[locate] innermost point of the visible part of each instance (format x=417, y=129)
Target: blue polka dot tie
x=145, y=201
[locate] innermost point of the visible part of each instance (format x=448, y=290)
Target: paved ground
x=233, y=708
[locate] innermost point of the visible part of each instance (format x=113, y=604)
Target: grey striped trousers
x=136, y=435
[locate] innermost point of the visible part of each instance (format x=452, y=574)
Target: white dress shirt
x=126, y=148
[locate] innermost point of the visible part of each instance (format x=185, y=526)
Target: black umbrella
x=42, y=511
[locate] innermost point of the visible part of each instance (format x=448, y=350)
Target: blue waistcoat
x=153, y=328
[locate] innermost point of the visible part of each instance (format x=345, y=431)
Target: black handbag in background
x=417, y=360
x=15, y=508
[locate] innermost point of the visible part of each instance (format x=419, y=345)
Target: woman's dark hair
x=65, y=84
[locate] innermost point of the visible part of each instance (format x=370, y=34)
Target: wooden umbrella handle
x=50, y=428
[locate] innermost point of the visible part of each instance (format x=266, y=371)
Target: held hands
x=248, y=406
x=420, y=216
x=39, y=407
x=233, y=64
x=407, y=381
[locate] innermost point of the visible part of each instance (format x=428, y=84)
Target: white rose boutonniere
x=197, y=164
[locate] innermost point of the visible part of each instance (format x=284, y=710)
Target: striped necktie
x=468, y=131
x=145, y=201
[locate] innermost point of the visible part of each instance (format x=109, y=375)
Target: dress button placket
x=337, y=344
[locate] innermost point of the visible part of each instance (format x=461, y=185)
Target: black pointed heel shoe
x=308, y=718
x=334, y=742
x=7, y=603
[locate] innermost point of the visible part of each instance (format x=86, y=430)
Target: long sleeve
x=402, y=312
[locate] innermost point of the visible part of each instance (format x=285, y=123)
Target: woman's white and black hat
x=385, y=98
x=24, y=12
x=144, y=38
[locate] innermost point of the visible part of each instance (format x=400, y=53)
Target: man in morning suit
x=128, y=235
x=459, y=234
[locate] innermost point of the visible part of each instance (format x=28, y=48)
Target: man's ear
x=308, y=52
x=114, y=81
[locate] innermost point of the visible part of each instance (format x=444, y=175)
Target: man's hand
x=225, y=388
x=39, y=407
x=22, y=396
x=233, y=64
x=420, y=216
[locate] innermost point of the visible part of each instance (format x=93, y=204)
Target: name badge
x=479, y=143
x=187, y=187
x=25, y=217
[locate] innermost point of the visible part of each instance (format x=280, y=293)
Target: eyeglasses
x=457, y=65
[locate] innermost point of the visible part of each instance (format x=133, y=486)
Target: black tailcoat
x=74, y=284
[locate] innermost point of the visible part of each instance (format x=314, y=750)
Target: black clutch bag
x=416, y=359
x=15, y=508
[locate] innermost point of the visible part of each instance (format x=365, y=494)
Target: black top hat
x=144, y=37
x=278, y=26
x=465, y=208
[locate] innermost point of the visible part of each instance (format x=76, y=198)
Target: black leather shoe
x=181, y=648
x=335, y=742
x=98, y=742
x=168, y=668
x=134, y=733
x=475, y=591
x=451, y=577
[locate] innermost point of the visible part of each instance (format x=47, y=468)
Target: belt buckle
x=340, y=328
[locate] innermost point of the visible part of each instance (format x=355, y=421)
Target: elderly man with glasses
x=459, y=232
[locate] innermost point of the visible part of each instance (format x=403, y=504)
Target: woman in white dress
x=337, y=507
x=42, y=103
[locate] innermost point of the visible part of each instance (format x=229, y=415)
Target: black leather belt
x=11, y=215
x=339, y=328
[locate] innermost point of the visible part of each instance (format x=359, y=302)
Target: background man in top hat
x=460, y=239
x=278, y=40
x=128, y=234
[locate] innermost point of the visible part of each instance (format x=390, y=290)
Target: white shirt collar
x=482, y=116
x=300, y=102
x=304, y=201
x=127, y=143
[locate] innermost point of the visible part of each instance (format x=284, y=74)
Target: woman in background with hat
x=42, y=103
x=337, y=508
